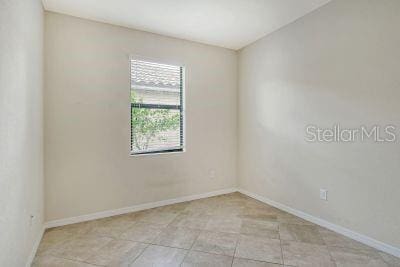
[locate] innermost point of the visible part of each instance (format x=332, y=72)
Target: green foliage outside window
x=147, y=124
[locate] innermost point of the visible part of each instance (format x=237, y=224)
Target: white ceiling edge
x=231, y=24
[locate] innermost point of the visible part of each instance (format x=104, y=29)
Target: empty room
x=245, y=133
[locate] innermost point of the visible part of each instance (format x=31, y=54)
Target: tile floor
x=227, y=230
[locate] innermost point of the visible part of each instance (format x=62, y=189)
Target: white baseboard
x=35, y=247
x=108, y=213
x=336, y=228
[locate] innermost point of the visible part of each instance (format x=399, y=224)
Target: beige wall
x=87, y=132
x=21, y=161
x=339, y=64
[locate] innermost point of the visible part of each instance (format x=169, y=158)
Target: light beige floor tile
x=112, y=226
x=235, y=205
x=234, y=195
x=127, y=218
x=260, y=207
x=204, y=206
x=192, y=221
x=135, y=216
x=142, y=232
x=217, y=243
x=254, y=215
x=81, y=248
x=175, y=208
x=301, y=233
x=201, y=259
x=392, y=261
x=204, y=202
x=52, y=240
x=51, y=261
x=268, y=229
x=117, y=253
x=305, y=254
x=178, y=237
x=228, y=210
x=200, y=211
x=262, y=224
x=291, y=219
x=226, y=224
x=258, y=248
x=252, y=263
x=158, y=217
x=77, y=228
x=348, y=257
x=336, y=240
x=157, y=256
x=238, y=202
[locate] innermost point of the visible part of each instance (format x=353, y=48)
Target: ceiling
x=226, y=23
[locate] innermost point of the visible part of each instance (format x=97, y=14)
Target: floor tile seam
x=265, y=262
x=99, y=249
x=75, y=260
x=244, y=258
x=115, y=239
x=140, y=254
x=210, y=253
x=234, y=252
x=280, y=244
x=191, y=247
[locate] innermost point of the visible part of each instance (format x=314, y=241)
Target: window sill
x=167, y=152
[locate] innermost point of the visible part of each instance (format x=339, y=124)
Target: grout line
x=265, y=262
x=330, y=255
x=75, y=260
x=85, y=261
x=280, y=244
x=151, y=243
x=234, y=252
x=191, y=247
x=140, y=254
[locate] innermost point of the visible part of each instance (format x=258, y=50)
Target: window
x=156, y=107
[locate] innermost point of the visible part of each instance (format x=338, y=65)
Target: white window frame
x=183, y=107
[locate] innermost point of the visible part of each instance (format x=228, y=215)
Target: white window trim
x=184, y=85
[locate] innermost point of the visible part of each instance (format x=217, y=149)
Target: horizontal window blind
x=156, y=107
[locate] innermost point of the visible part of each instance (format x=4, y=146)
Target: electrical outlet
x=211, y=174
x=323, y=194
